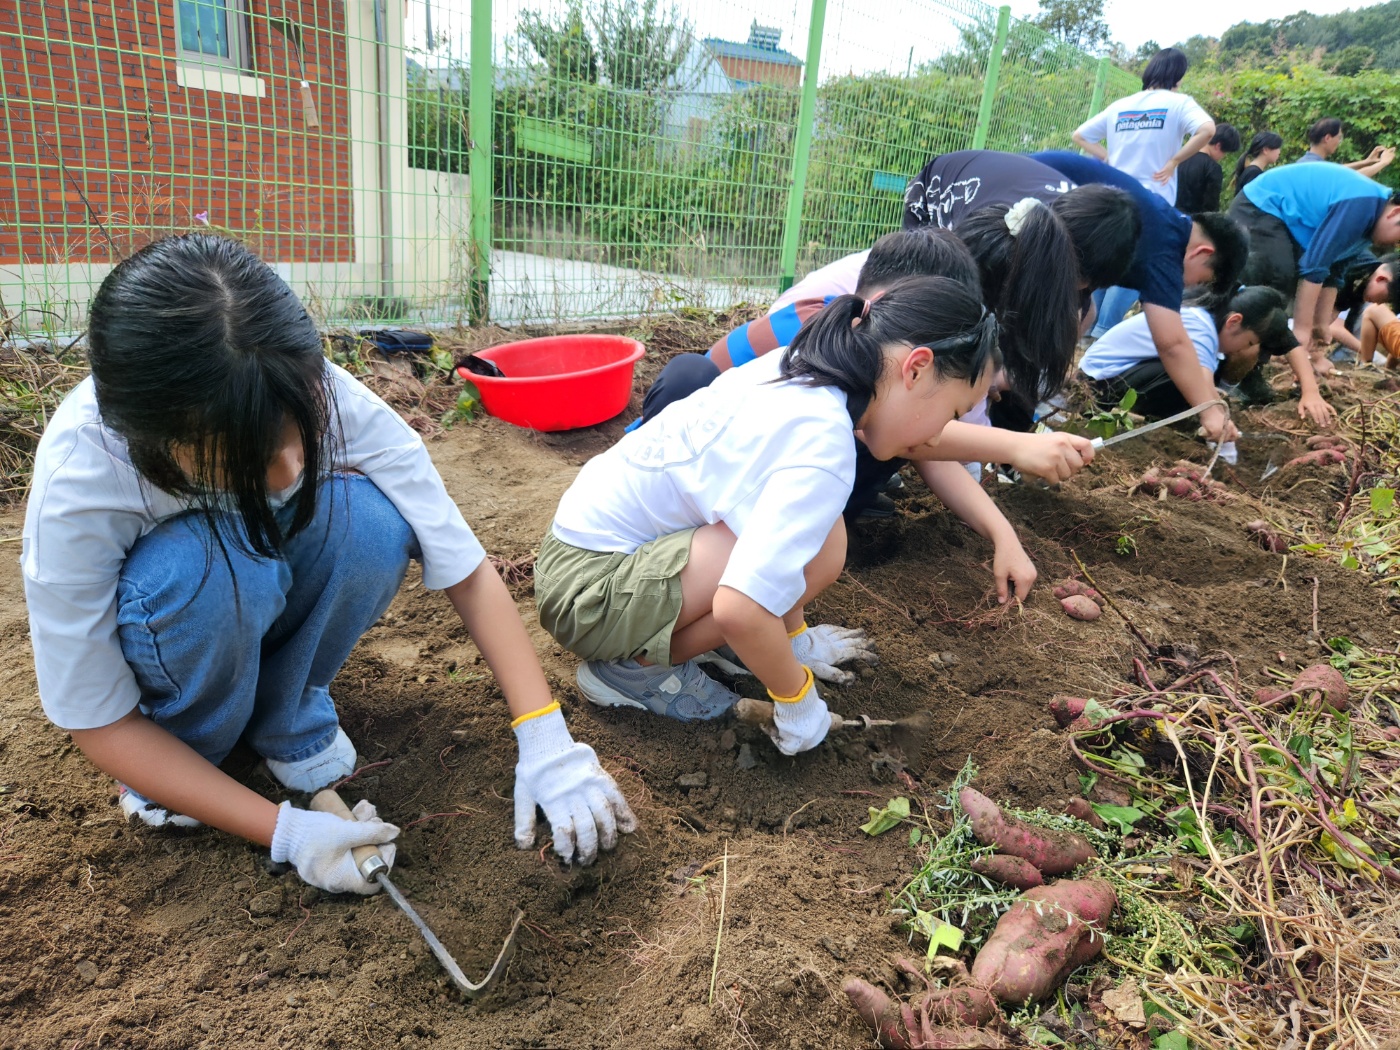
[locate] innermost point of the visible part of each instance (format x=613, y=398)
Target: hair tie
x=865, y=310
x=1018, y=213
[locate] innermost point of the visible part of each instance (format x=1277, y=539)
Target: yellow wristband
x=547, y=709
x=794, y=634
x=806, y=688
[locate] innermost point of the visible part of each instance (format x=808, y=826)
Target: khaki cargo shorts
x=609, y=606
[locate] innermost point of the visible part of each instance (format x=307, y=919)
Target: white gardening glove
x=318, y=845
x=800, y=723
x=824, y=646
x=580, y=800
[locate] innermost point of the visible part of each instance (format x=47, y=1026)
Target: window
x=213, y=32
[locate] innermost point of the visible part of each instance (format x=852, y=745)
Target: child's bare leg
x=1369, y=335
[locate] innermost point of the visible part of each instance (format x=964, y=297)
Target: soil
x=121, y=936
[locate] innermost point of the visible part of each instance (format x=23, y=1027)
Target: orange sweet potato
x=1045, y=935
x=1052, y=852
x=1008, y=870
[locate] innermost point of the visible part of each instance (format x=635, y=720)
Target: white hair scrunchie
x=1018, y=213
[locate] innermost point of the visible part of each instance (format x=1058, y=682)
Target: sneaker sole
x=599, y=693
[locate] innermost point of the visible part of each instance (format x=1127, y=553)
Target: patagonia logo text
x=1141, y=120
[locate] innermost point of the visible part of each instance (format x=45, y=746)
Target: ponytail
x=1030, y=280
x=843, y=345
x=1257, y=145
x=1262, y=309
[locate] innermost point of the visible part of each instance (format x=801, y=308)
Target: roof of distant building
x=762, y=46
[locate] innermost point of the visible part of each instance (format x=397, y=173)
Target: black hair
x=1226, y=137
x=843, y=344
x=1231, y=242
x=1324, y=128
x=196, y=344
x=1166, y=69
x=1104, y=224
x=1263, y=310
x=1030, y=280
x=927, y=251
x=1257, y=145
x=1392, y=260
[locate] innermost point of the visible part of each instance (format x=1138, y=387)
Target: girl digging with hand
x=717, y=521
x=218, y=514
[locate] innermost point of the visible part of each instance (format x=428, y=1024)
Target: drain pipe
x=386, y=205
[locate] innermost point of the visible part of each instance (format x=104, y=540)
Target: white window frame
x=238, y=61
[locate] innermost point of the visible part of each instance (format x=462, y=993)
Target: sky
x=867, y=35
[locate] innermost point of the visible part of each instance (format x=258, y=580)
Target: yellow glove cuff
x=806, y=688
x=546, y=710
x=794, y=634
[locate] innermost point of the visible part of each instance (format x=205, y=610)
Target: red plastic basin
x=559, y=382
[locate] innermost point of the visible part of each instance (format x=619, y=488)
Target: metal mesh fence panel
x=632, y=155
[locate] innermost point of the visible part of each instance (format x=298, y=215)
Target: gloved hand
x=580, y=800
x=824, y=646
x=801, y=722
x=318, y=845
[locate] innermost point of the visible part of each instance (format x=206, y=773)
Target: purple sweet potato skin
x=1067, y=708
x=1052, y=852
x=879, y=1011
x=1080, y=809
x=972, y=1007
x=1327, y=680
x=1009, y=871
x=1042, y=938
x=1081, y=607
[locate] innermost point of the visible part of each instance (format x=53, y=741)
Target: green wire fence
x=522, y=161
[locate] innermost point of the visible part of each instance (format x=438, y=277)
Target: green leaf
x=1382, y=501
x=1129, y=400
x=1302, y=746
x=1350, y=562
x=1087, y=782
x=915, y=836
x=1122, y=817
x=1095, y=712
x=891, y=816
x=940, y=934
x=1171, y=1041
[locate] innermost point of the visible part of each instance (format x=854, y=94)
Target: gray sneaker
x=683, y=692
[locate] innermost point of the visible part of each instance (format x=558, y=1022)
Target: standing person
x=218, y=514
x=1143, y=132
x=1325, y=138
x=1199, y=179
x=1174, y=252
x=1263, y=152
x=1307, y=223
x=719, y=520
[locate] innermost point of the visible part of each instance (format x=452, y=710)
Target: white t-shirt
x=773, y=460
x=1129, y=343
x=1144, y=131
x=837, y=278
x=88, y=507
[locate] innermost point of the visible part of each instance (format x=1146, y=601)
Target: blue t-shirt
x=1309, y=158
x=1330, y=210
x=1157, y=270
x=1129, y=344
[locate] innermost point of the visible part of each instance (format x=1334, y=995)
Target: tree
x=564, y=46
x=1078, y=23
x=640, y=44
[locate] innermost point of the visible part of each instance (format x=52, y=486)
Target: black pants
x=1273, y=253
x=1157, y=395
x=686, y=373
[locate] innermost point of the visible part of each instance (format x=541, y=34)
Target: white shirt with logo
x=1144, y=131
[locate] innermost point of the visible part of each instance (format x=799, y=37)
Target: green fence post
x=480, y=105
x=802, y=146
x=1100, y=82
x=989, y=83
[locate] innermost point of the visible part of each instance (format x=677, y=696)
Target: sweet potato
x=1081, y=607
x=1044, y=936
x=1008, y=870
x=1073, y=587
x=1150, y=482
x=1263, y=534
x=1067, y=708
x=1326, y=441
x=1321, y=457
x=1181, y=487
x=1326, y=680
x=1052, y=852
x=1080, y=809
x=899, y=1026
x=1267, y=694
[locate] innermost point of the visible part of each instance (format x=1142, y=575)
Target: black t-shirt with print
x=953, y=185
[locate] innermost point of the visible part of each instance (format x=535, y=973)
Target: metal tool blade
x=443, y=956
x=1149, y=427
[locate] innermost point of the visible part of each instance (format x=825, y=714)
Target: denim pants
x=1112, y=306
x=217, y=662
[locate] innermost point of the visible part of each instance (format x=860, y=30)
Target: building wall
x=154, y=143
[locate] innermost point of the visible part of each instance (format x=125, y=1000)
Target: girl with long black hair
x=716, y=522
x=1263, y=152
x=218, y=514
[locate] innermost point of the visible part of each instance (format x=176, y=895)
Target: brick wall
x=95, y=84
